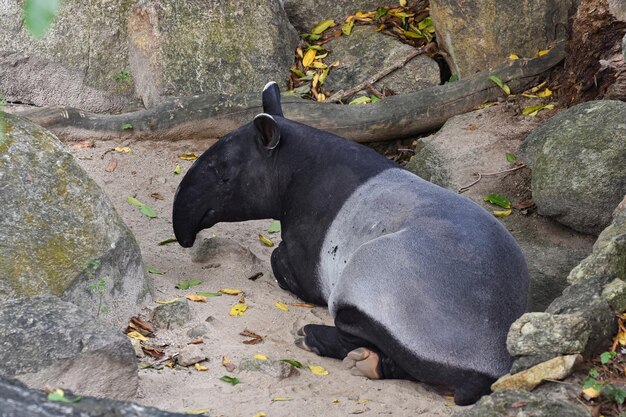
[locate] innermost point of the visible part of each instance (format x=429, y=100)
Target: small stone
x=190, y=354
x=540, y=333
x=172, y=315
x=199, y=330
x=615, y=294
x=277, y=369
x=556, y=368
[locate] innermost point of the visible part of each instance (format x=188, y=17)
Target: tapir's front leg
x=285, y=276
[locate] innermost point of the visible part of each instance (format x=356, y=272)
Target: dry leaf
x=231, y=291
x=470, y=127
x=156, y=196
x=281, y=306
x=228, y=364
x=309, y=57
x=137, y=336
x=260, y=357
x=255, y=337
x=282, y=399
x=152, y=351
x=196, y=341
x=173, y=300
x=318, y=370
x=238, y=310
x=621, y=337
x=143, y=324
x=125, y=149
x=201, y=368
x=111, y=165
x=307, y=305
x=83, y=144
x=197, y=298
x=591, y=392
x=190, y=156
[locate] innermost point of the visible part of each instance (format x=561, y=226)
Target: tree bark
x=213, y=116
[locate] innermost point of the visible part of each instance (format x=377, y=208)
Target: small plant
x=99, y=288
x=593, y=387
x=122, y=77
x=127, y=126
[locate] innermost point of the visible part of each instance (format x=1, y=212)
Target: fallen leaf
x=231, y=291
x=403, y=3
x=470, y=127
x=167, y=241
x=190, y=156
x=148, y=211
x=510, y=158
x=255, y=337
x=153, y=352
x=196, y=298
x=209, y=294
x=293, y=363
x=125, y=149
x=133, y=201
x=83, y=144
x=545, y=93
x=185, y=285
x=309, y=57
x=335, y=401
x=255, y=276
x=274, y=227
x=266, y=241
x=281, y=399
x=346, y=28
x=228, y=364
x=591, y=392
x=486, y=105
x=111, y=165
x=361, y=100
x=522, y=205
x=127, y=126
x=137, y=336
x=502, y=213
x=230, y=379
x=201, y=368
x=543, y=52
x=533, y=110
x=196, y=341
x=318, y=370
x=143, y=324
x=363, y=401
x=513, y=56
x=177, y=169
x=260, y=357
x=281, y=306
x=497, y=81
x=307, y=305
x=238, y=310
x=260, y=414
x=157, y=196
x=621, y=337
x=498, y=200
x=197, y=411
x=58, y=395
x=153, y=270
x=538, y=87
x=173, y=300
x=322, y=26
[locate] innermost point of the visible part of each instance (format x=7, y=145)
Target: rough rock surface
x=479, y=34
x=277, y=369
x=554, y=369
x=477, y=142
x=16, y=398
x=577, y=159
x=190, y=355
x=521, y=403
x=60, y=233
x=538, y=333
x=357, y=52
x=48, y=342
x=609, y=252
x=171, y=315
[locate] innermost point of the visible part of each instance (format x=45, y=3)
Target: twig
x=340, y=95
x=488, y=174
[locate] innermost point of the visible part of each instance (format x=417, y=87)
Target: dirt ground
x=148, y=169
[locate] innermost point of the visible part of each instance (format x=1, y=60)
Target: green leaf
x=177, y=169
x=380, y=12
x=209, y=294
x=413, y=35
x=589, y=382
x=425, y=24
x=230, y=379
x=317, y=48
x=147, y=211
x=614, y=393
x=59, y=397
x=167, y=241
x=305, y=89
x=496, y=80
x=127, y=126
x=134, y=201
x=374, y=99
x=607, y=357
x=453, y=78
x=310, y=36
x=511, y=158
x=153, y=270
x=533, y=110
x=594, y=373
x=293, y=363
x=39, y=14
x=361, y=100
x=322, y=26
x=498, y=200
x=184, y=285
x=297, y=71
x=274, y=227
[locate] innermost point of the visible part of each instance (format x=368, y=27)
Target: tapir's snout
x=190, y=211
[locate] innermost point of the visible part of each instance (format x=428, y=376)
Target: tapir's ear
x=268, y=130
x=271, y=99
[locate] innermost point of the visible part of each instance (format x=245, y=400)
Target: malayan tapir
x=422, y=283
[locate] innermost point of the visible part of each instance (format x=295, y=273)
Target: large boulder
x=578, y=159
x=477, y=142
x=99, y=56
x=48, y=342
x=60, y=233
x=479, y=34
x=15, y=399
x=358, y=52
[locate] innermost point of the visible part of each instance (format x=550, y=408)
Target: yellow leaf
x=403, y=3
x=545, y=93
x=137, y=335
x=197, y=411
x=363, y=401
x=201, y=368
x=335, y=401
x=322, y=26
x=485, y=105
x=538, y=87
x=543, y=52
x=502, y=213
x=282, y=399
x=231, y=291
x=321, y=97
x=122, y=150
x=303, y=305
x=318, y=64
x=266, y=241
x=197, y=298
x=299, y=52
x=318, y=370
x=261, y=414
x=621, y=338
x=591, y=392
x=260, y=357
x=190, y=156
x=281, y=306
x=309, y=57
x=173, y=300
x=513, y=56
x=238, y=310
x=346, y=28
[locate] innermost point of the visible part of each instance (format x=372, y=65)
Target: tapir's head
x=234, y=180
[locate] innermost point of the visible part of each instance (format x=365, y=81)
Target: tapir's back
x=426, y=259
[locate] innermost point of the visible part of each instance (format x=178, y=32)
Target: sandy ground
x=148, y=169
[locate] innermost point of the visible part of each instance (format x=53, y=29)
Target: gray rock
x=577, y=159
x=522, y=363
x=172, y=315
x=624, y=47
x=477, y=142
x=477, y=37
x=357, y=53
x=585, y=300
x=16, y=398
x=554, y=369
x=199, y=330
x=190, y=355
x=276, y=369
x=48, y=342
x=615, y=294
x=609, y=252
x=540, y=333
x=521, y=403
x=60, y=233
